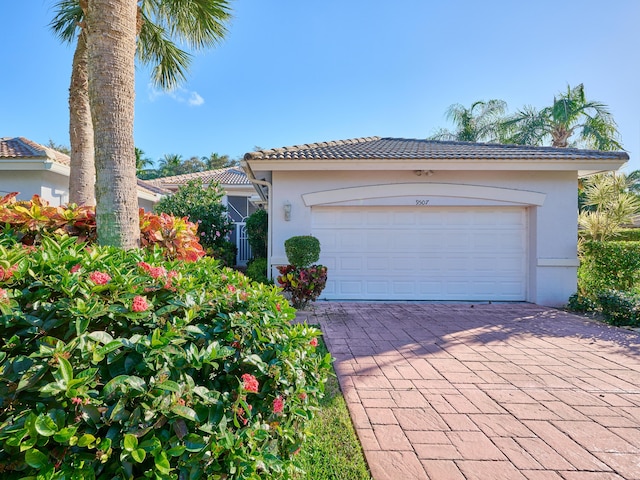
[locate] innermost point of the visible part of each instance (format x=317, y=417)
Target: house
x=240, y=199
x=405, y=219
x=33, y=169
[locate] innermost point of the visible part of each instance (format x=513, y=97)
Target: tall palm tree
x=480, y=123
x=160, y=23
x=111, y=49
x=570, y=121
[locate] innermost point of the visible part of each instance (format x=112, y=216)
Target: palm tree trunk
x=111, y=47
x=83, y=176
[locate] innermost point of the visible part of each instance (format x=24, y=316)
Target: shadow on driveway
x=487, y=391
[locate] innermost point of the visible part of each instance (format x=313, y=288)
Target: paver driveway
x=495, y=391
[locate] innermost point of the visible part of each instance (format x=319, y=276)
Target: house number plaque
x=422, y=203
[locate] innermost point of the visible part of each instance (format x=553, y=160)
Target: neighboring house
x=33, y=169
x=402, y=219
x=240, y=198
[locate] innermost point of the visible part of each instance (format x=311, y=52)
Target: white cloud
x=180, y=95
x=195, y=100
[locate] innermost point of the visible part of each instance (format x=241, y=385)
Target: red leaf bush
x=30, y=220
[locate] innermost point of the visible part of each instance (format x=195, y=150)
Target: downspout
x=252, y=178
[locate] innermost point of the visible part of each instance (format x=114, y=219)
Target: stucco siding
x=552, y=224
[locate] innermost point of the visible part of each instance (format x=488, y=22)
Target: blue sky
x=293, y=72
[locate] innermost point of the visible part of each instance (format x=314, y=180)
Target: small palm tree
x=570, y=121
x=609, y=204
x=480, y=123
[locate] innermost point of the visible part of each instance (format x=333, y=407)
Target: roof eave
x=581, y=165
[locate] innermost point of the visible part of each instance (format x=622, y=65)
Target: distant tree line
x=172, y=164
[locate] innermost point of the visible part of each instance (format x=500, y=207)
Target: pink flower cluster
x=7, y=273
x=278, y=405
x=4, y=296
x=314, y=342
x=99, y=278
x=250, y=383
x=139, y=304
x=155, y=272
x=75, y=268
x=159, y=272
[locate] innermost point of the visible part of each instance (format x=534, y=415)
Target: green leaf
x=65, y=369
x=82, y=323
x=36, y=459
x=45, y=426
x=130, y=442
x=114, y=384
x=64, y=435
x=139, y=455
x=110, y=347
x=194, y=443
x=86, y=440
x=169, y=385
x=31, y=377
x=162, y=463
x=102, y=337
x=178, y=450
x=185, y=412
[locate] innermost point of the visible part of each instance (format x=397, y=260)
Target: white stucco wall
x=50, y=186
x=552, y=226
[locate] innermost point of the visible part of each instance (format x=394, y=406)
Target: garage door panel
x=435, y=253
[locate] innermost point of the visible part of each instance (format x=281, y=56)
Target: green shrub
x=258, y=232
x=304, y=284
x=623, y=235
x=201, y=205
x=119, y=365
x=580, y=303
x=620, y=308
x=302, y=251
x=226, y=252
x=608, y=265
x=257, y=270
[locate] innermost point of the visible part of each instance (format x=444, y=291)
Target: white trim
x=521, y=197
x=558, y=262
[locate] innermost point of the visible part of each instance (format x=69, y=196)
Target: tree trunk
x=82, y=178
x=111, y=46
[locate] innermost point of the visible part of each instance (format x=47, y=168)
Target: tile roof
x=225, y=176
x=20, y=147
x=369, y=148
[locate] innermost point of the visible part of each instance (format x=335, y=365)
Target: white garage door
x=423, y=253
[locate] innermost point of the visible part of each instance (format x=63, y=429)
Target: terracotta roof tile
x=225, y=176
x=369, y=148
x=20, y=147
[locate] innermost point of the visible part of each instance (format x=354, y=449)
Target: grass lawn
x=334, y=452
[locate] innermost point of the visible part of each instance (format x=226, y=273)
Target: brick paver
x=487, y=391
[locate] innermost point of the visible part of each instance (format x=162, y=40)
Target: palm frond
x=65, y=23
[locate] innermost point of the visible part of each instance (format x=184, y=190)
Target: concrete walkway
x=487, y=392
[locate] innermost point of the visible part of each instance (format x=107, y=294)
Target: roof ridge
x=295, y=148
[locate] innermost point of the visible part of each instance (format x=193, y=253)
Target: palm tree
x=196, y=23
x=609, y=205
x=570, y=121
x=142, y=162
x=111, y=49
x=480, y=123
x=216, y=161
x=170, y=165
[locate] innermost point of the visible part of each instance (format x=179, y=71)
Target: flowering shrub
x=304, y=284
x=119, y=365
x=202, y=205
x=31, y=220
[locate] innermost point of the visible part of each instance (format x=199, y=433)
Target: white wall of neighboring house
x=549, y=199
x=52, y=187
